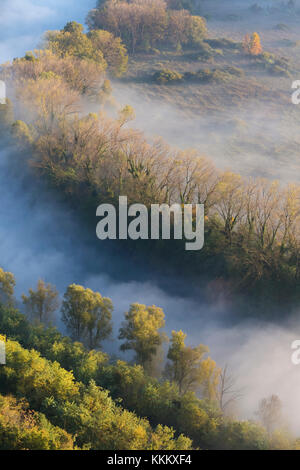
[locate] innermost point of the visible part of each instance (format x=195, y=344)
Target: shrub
x=167, y=76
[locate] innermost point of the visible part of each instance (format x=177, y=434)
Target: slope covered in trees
x=67, y=395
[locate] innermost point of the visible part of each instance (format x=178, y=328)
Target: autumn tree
x=100, y=47
x=87, y=315
x=83, y=76
x=188, y=368
x=51, y=101
x=113, y=50
x=41, y=304
x=252, y=45
x=255, y=45
x=140, y=330
x=227, y=392
x=140, y=23
x=178, y=27
x=72, y=41
x=143, y=24
x=230, y=202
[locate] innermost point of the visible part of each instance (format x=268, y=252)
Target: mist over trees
x=94, y=158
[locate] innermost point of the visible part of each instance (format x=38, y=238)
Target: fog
x=40, y=237
x=224, y=138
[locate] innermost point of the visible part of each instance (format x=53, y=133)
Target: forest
x=70, y=134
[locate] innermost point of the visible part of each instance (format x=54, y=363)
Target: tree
x=255, y=45
x=42, y=303
x=51, y=102
x=72, y=41
x=140, y=23
x=87, y=315
x=270, y=412
x=143, y=24
x=189, y=369
x=80, y=75
x=227, y=393
x=231, y=201
x=246, y=44
x=21, y=132
x=113, y=50
x=252, y=45
x=177, y=26
x=141, y=332
x=196, y=30
x=7, y=285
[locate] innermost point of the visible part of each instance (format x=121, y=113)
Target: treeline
x=88, y=319
x=100, y=47
x=252, y=226
x=146, y=24
x=58, y=394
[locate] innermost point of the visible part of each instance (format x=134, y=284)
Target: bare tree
x=270, y=412
x=227, y=391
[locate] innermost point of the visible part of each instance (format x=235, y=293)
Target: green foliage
x=23, y=429
x=141, y=332
x=204, y=75
x=87, y=315
x=101, y=47
x=52, y=345
x=166, y=76
x=95, y=418
x=88, y=412
x=241, y=435
x=29, y=375
x=71, y=41
x=188, y=368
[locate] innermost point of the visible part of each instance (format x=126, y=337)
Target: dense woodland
x=64, y=392
x=58, y=393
